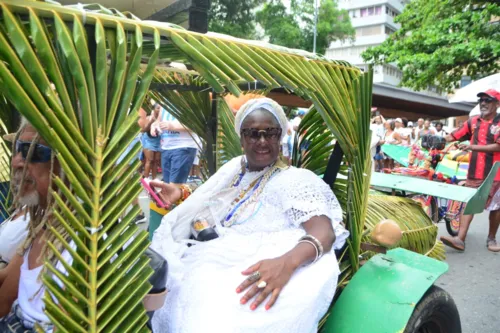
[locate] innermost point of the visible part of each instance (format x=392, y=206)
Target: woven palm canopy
x=79, y=74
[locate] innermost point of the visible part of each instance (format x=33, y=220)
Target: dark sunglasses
x=252, y=135
x=41, y=153
x=486, y=100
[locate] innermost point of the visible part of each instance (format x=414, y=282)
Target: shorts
x=151, y=143
x=493, y=202
x=379, y=157
x=176, y=164
x=15, y=322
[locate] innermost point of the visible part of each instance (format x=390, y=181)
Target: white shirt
x=296, y=121
x=173, y=139
x=12, y=234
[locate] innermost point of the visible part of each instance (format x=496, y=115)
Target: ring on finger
x=254, y=277
x=262, y=284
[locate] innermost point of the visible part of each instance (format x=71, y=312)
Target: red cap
x=490, y=93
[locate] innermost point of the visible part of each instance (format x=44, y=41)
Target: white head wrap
x=261, y=103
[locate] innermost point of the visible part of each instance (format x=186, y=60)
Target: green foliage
x=294, y=27
x=233, y=17
x=440, y=41
x=228, y=142
x=87, y=110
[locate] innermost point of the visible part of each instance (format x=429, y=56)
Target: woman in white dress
x=272, y=268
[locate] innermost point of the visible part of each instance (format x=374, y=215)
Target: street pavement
x=474, y=280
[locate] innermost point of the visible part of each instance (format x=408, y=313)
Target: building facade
x=373, y=21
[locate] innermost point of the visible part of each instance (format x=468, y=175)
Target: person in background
x=440, y=131
x=418, y=128
x=411, y=130
x=378, y=133
x=178, y=148
x=390, y=137
x=296, y=121
x=286, y=146
x=195, y=174
x=427, y=129
x=377, y=125
x=483, y=131
x=401, y=129
x=151, y=144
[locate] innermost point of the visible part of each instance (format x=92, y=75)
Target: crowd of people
x=399, y=131
x=483, y=150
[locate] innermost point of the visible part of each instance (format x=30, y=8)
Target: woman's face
x=439, y=127
x=260, y=138
x=157, y=109
x=387, y=125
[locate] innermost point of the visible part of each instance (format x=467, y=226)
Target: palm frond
x=419, y=233
x=81, y=87
x=6, y=127
x=228, y=142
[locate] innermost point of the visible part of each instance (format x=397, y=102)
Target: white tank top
x=12, y=234
x=31, y=290
x=31, y=293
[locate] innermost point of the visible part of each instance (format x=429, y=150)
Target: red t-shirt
x=480, y=132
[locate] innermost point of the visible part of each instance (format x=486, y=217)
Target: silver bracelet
x=315, y=241
x=313, y=245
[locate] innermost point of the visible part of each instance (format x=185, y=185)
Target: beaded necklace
x=250, y=194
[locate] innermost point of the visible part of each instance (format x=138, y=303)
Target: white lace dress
x=203, y=278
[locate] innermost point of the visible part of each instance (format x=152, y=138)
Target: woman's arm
x=397, y=137
x=10, y=285
x=319, y=227
x=175, y=126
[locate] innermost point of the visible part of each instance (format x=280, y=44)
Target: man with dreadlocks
x=21, y=289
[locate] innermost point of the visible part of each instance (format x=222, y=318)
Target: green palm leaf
x=55, y=72
x=228, y=142
x=6, y=127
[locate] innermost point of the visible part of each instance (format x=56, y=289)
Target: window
x=466, y=80
x=370, y=11
x=391, y=12
x=389, y=31
x=368, y=31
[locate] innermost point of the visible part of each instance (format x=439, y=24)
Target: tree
x=294, y=27
x=234, y=17
x=441, y=40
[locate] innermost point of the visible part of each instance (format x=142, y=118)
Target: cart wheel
x=428, y=204
x=452, y=218
x=435, y=313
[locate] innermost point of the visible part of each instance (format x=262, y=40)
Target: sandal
x=453, y=242
x=492, y=245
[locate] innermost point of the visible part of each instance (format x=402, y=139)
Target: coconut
x=386, y=233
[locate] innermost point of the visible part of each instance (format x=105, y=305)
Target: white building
x=374, y=22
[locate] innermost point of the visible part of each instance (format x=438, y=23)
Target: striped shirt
x=480, y=132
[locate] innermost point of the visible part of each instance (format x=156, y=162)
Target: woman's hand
x=274, y=272
x=169, y=193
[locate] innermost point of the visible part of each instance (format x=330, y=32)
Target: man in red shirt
x=483, y=131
